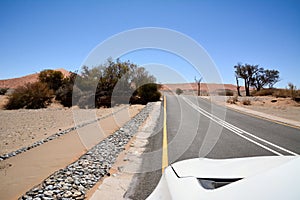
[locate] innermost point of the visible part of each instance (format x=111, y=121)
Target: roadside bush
x=283, y=93
x=246, y=102
x=31, y=96
x=225, y=92
x=3, y=91
x=67, y=92
x=146, y=93
x=68, y=95
x=179, y=91
x=264, y=92
x=53, y=79
x=293, y=92
x=232, y=100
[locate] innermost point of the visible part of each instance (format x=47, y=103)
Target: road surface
x=197, y=128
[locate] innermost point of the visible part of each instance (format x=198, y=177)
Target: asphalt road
x=198, y=128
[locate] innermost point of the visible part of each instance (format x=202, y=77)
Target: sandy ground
x=19, y=128
x=20, y=173
x=280, y=107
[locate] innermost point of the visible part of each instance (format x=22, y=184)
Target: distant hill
x=16, y=82
x=205, y=88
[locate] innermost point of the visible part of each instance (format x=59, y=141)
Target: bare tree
x=198, y=81
x=237, y=85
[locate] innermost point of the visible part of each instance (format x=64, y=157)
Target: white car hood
x=272, y=177
x=228, y=168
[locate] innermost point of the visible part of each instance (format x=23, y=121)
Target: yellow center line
x=165, y=139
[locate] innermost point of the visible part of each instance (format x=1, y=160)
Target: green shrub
x=3, y=91
x=179, y=91
x=67, y=92
x=53, y=79
x=146, y=93
x=30, y=96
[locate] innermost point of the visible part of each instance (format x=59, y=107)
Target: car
x=263, y=177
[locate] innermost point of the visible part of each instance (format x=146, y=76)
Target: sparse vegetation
x=225, y=92
x=64, y=94
x=232, y=100
x=291, y=92
x=149, y=92
x=179, y=91
x=53, y=79
x=246, y=102
x=3, y=91
x=264, y=92
x=255, y=76
x=31, y=96
x=294, y=93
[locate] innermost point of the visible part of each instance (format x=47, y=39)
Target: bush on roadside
x=67, y=92
x=179, y=91
x=232, y=100
x=282, y=93
x=30, y=96
x=293, y=92
x=225, y=92
x=146, y=93
x=246, y=102
x=53, y=79
x=264, y=92
x=3, y=91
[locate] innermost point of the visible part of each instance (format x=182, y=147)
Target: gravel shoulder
x=121, y=184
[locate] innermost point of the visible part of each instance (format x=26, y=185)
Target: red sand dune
x=16, y=82
x=207, y=87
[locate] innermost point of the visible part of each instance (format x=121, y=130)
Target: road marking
x=244, y=134
x=165, y=161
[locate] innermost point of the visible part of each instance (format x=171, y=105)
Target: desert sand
x=19, y=128
x=20, y=173
x=280, y=107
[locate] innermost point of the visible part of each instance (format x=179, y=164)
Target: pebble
x=73, y=181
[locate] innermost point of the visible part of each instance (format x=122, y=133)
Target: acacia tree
x=116, y=79
x=246, y=72
x=265, y=77
x=272, y=77
x=255, y=76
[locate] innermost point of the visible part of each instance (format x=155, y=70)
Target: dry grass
x=279, y=93
x=246, y=102
x=232, y=100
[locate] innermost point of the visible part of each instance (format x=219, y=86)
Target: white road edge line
x=238, y=131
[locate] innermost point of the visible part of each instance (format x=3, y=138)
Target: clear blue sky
x=36, y=35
